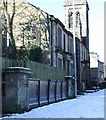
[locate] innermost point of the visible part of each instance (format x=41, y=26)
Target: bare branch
x=13, y=13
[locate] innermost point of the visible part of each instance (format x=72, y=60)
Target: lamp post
x=75, y=78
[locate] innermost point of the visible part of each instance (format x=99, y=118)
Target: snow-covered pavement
x=86, y=106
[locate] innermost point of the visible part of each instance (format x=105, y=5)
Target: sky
x=96, y=20
x=90, y=105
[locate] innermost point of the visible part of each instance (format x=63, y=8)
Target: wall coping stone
x=18, y=70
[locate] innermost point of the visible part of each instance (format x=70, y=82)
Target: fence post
x=67, y=88
x=39, y=93
x=55, y=90
x=61, y=89
x=48, y=95
x=15, y=98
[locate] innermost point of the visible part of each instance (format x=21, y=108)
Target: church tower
x=81, y=28
x=81, y=19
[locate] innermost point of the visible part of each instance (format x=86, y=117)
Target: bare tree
x=9, y=26
x=25, y=23
x=32, y=22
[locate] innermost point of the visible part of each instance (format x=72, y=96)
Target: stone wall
x=21, y=92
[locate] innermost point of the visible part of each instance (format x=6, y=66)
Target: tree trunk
x=12, y=46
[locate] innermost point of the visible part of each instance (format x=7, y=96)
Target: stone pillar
x=70, y=87
x=15, y=89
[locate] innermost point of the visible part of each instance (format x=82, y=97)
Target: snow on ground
x=86, y=106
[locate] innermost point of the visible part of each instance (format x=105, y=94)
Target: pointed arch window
x=77, y=19
x=70, y=20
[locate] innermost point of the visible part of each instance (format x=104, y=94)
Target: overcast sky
x=96, y=20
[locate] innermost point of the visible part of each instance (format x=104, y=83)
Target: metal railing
x=46, y=92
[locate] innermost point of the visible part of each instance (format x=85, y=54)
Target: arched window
x=77, y=19
x=70, y=20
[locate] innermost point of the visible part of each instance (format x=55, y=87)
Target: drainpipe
x=51, y=39
x=75, y=78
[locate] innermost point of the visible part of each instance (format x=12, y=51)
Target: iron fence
x=45, y=92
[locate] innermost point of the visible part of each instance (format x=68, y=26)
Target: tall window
x=70, y=19
x=77, y=19
x=69, y=45
x=64, y=43
x=68, y=68
x=59, y=37
x=60, y=63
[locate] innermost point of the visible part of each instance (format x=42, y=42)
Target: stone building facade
x=96, y=69
x=81, y=27
x=61, y=46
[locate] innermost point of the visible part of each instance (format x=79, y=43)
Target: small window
x=64, y=43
